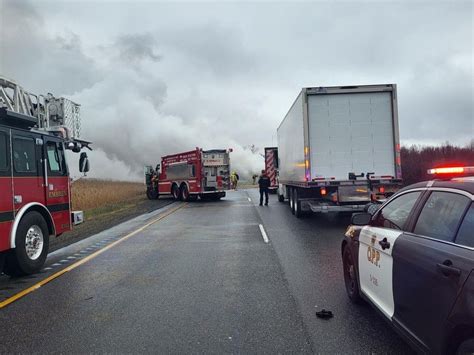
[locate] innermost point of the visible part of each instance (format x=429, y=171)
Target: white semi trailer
x=339, y=148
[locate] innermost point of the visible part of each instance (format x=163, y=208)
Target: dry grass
x=92, y=194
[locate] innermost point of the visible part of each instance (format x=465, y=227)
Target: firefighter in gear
x=234, y=179
x=264, y=184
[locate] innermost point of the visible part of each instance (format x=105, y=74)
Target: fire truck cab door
x=6, y=193
x=27, y=173
x=57, y=183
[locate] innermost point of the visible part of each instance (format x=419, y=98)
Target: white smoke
x=128, y=110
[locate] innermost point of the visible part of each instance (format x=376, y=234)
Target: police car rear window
x=466, y=231
x=441, y=215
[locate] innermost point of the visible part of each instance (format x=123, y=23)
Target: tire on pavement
x=291, y=200
x=184, y=192
x=281, y=198
x=297, y=205
x=466, y=346
x=151, y=193
x=31, y=246
x=176, y=192
x=350, y=276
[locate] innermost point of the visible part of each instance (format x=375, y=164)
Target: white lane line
x=250, y=200
x=264, y=234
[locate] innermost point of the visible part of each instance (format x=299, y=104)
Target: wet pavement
x=197, y=277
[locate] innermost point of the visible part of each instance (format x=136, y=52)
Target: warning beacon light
x=452, y=171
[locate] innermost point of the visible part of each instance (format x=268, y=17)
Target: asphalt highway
x=202, y=277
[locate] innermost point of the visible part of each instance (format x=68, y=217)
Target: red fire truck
x=35, y=198
x=189, y=175
x=271, y=167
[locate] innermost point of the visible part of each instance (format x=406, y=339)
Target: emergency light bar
x=452, y=170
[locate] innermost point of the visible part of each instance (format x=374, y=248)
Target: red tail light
x=382, y=189
x=323, y=191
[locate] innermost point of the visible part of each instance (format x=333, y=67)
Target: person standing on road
x=234, y=179
x=264, y=184
x=254, y=179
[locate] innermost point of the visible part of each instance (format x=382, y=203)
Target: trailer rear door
x=351, y=133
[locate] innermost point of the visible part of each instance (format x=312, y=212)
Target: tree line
x=416, y=160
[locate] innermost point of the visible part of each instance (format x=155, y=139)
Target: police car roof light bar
x=455, y=170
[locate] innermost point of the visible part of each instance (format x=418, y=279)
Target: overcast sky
x=155, y=78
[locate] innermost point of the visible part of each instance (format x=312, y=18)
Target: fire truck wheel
x=176, y=192
x=32, y=242
x=151, y=193
x=184, y=192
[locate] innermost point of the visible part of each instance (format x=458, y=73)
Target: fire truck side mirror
x=83, y=163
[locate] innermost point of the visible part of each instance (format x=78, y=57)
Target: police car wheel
x=466, y=347
x=32, y=243
x=350, y=276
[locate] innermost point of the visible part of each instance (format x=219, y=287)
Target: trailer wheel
x=184, y=192
x=176, y=192
x=297, y=205
x=32, y=243
x=290, y=198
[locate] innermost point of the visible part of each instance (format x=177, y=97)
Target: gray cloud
x=210, y=47
x=34, y=57
x=137, y=47
x=155, y=78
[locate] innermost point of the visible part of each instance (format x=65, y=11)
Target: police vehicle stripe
x=376, y=266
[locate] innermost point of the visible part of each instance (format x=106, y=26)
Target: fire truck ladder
x=50, y=112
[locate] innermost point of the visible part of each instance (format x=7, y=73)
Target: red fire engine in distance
x=190, y=175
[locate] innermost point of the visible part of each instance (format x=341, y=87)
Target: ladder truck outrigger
x=35, y=189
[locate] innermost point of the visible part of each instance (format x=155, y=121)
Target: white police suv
x=413, y=260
